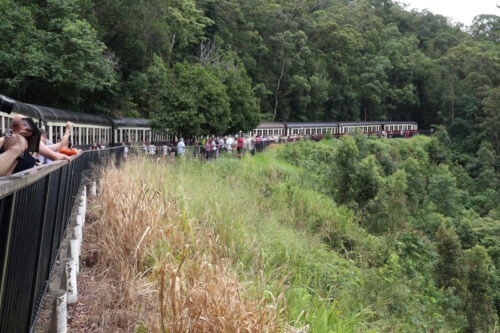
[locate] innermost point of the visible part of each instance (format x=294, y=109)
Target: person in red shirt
x=239, y=146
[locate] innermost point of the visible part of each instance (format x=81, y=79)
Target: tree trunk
x=276, y=93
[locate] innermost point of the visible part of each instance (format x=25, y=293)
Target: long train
x=89, y=128
x=390, y=128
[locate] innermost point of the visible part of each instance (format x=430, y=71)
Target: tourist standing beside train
x=229, y=144
x=181, y=147
x=152, y=149
x=240, y=142
x=125, y=150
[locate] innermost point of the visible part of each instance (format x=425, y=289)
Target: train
x=99, y=129
x=87, y=128
x=335, y=129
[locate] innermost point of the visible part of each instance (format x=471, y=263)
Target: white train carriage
x=137, y=130
x=368, y=127
x=87, y=128
x=269, y=129
x=395, y=127
x=317, y=128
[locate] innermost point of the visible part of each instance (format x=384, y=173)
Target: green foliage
x=243, y=103
x=345, y=159
x=52, y=51
x=449, y=250
x=442, y=192
x=387, y=211
x=417, y=178
x=194, y=102
x=414, y=194
x=479, y=305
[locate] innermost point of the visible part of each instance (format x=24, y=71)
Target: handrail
x=35, y=209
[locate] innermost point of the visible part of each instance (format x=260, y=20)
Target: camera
x=32, y=135
x=6, y=104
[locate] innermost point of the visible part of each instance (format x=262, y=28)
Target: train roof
x=303, y=125
x=399, y=122
x=45, y=113
x=131, y=122
x=270, y=125
x=357, y=123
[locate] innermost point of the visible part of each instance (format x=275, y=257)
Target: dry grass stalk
x=157, y=269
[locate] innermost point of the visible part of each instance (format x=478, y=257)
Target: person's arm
x=14, y=145
x=50, y=154
x=65, y=139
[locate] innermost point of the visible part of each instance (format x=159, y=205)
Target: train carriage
x=136, y=130
x=87, y=128
x=395, y=128
x=367, y=127
x=316, y=128
x=269, y=129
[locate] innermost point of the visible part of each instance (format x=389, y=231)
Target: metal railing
x=35, y=207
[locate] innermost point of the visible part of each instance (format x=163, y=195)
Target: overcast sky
x=459, y=10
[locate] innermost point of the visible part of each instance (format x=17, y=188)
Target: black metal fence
x=35, y=208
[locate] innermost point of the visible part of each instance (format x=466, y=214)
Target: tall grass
x=163, y=252
x=233, y=245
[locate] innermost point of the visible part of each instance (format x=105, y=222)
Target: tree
x=450, y=253
x=136, y=30
x=489, y=119
x=244, y=106
x=443, y=192
x=388, y=211
x=486, y=27
x=346, y=159
x=193, y=102
x=478, y=299
x=416, y=183
x=52, y=54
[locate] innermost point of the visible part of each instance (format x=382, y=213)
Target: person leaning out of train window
x=18, y=126
x=54, y=146
x=52, y=155
x=14, y=146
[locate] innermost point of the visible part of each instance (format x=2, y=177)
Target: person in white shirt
x=152, y=149
x=181, y=147
x=229, y=143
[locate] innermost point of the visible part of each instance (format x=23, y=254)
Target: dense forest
x=219, y=66
x=342, y=235
x=206, y=66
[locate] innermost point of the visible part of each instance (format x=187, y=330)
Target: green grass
x=291, y=247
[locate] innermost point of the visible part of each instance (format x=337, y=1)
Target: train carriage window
x=76, y=136
x=8, y=123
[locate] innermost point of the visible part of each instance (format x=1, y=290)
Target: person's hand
x=62, y=157
x=16, y=143
x=68, y=126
